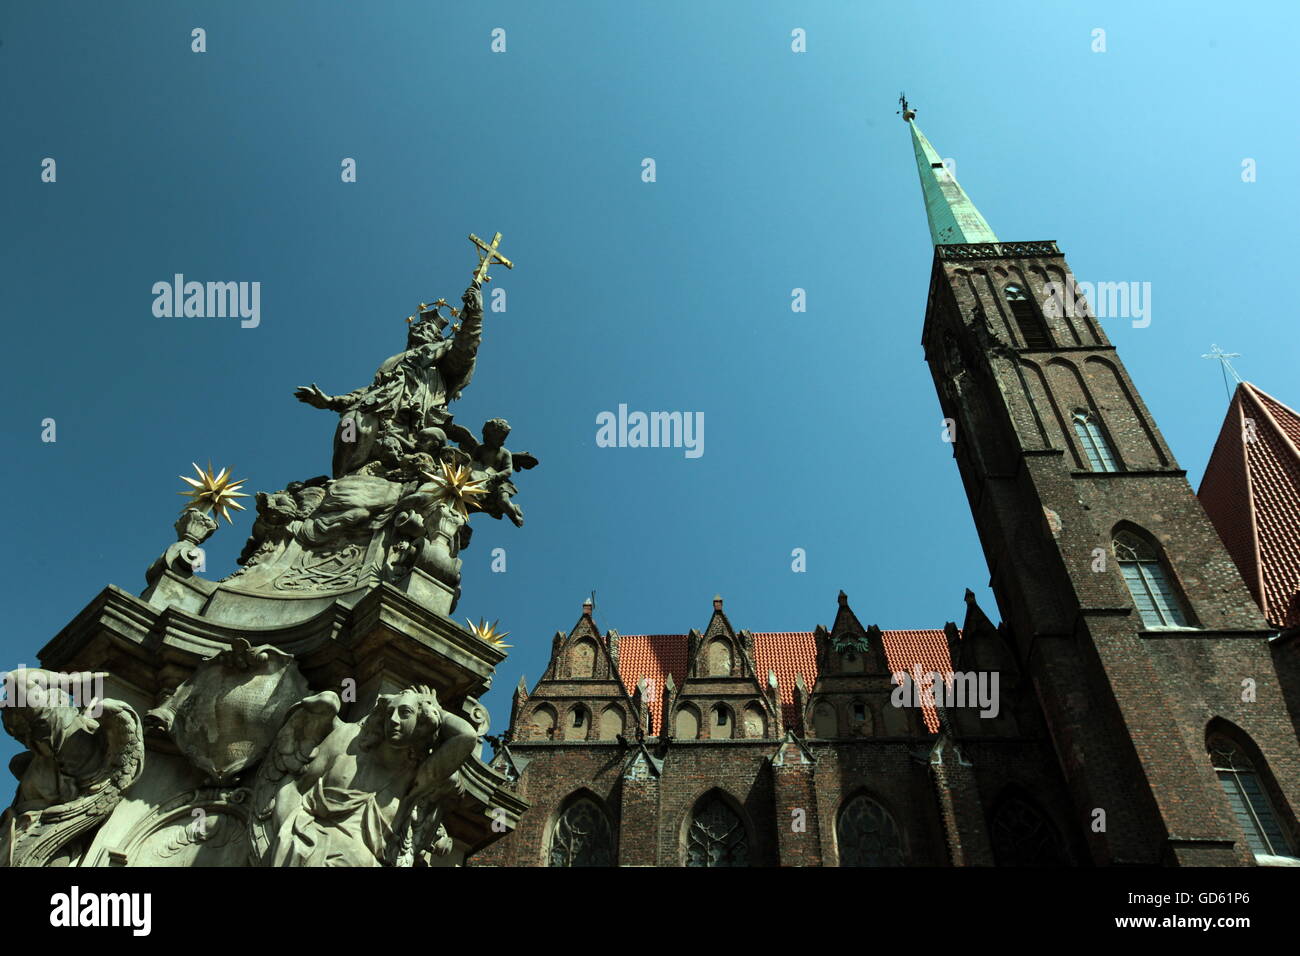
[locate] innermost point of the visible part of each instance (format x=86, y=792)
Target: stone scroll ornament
x=371, y=793
x=405, y=477
x=81, y=755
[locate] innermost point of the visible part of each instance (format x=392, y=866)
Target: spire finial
x=906, y=112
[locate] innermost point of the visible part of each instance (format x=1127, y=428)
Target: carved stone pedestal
x=335, y=730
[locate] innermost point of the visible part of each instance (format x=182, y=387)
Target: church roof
x=1251, y=492
x=953, y=217
x=788, y=653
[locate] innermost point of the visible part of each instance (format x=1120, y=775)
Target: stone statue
x=80, y=757
x=334, y=793
x=406, y=405
x=493, y=463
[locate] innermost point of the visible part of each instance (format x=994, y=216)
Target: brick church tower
x=1147, y=654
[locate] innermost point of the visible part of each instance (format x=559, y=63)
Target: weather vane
x=1224, y=359
x=906, y=112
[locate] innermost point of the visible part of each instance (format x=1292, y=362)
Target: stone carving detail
x=371, y=793
x=193, y=527
x=80, y=757
x=225, y=716
x=205, y=827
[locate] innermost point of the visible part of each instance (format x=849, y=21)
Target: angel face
x=411, y=720
x=403, y=718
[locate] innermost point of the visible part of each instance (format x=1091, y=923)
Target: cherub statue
x=333, y=793
x=493, y=463
x=81, y=755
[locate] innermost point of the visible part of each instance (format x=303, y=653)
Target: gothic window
x=544, y=722
x=1154, y=593
x=1093, y=440
x=824, y=723
x=720, y=722
x=577, y=723
x=1250, y=804
x=611, y=723
x=1022, y=836
x=582, y=659
x=687, y=724
x=1026, y=317
x=755, y=721
x=582, y=836
x=718, y=661
x=868, y=835
x=716, y=836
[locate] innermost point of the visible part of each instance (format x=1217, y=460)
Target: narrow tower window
x=1154, y=593
x=1250, y=804
x=1027, y=320
x=1093, y=440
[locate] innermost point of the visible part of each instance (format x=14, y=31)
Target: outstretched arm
x=457, y=366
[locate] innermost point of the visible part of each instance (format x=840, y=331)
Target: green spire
x=953, y=217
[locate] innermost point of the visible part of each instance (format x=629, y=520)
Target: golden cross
x=488, y=255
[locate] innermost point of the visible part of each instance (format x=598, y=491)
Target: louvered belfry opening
x=1030, y=324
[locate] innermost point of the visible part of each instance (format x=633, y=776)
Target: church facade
x=1128, y=710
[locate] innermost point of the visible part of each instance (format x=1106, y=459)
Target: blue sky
x=775, y=171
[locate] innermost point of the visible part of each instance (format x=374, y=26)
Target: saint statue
x=404, y=409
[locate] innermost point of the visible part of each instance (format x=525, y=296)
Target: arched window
x=824, y=723
x=611, y=723
x=1026, y=317
x=582, y=659
x=544, y=722
x=1093, y=439
x=687, y=724
x=718, y=662
x=868, y=835
x=1246, y=795
x=578, y=724
x=582, y=836
x=720, y=722
x=755, y=721
x=1022, y=836
x=716, y=836
x=1154, y=593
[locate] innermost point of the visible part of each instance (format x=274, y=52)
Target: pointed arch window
x=716, y=836
x=1154, y=593
x=1030, y=324
x=1247, y=797
x=1022, y=836
x=868, y=835
x=1095, y=445
x=582, y=836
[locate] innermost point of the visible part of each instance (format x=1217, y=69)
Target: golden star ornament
x=213, y=494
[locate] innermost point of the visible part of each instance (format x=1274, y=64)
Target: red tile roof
x=788, y=653
x=1251, y=492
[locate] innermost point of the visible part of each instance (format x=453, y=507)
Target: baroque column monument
x=317, y=707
